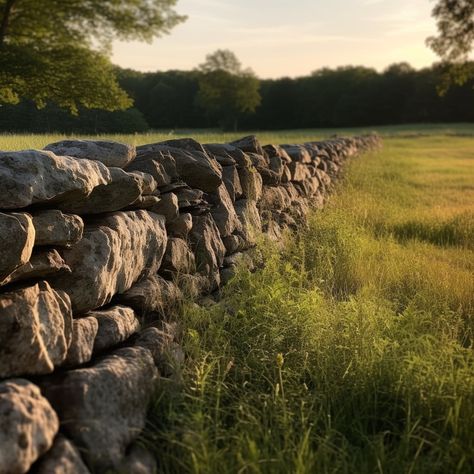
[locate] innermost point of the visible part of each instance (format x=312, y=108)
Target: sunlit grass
x=28, y=141
x=351, y=350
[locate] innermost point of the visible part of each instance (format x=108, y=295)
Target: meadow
x=351, y=349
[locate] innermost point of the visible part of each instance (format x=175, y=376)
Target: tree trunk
x=5, y=20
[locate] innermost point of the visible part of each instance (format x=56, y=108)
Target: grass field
x=23, y=142
x=351, y=350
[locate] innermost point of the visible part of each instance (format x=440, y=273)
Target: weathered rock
x=35, y=330
x=116, y=324
x=299, y=172
x=112, y=256
x=235, y=243
x=274, y=198
x=151, y=295
x=42, y=264
x=158, y=342
x=297, y=153
x=249, y=144
x=285, y=174
x=178, y=258
x=181, y=226
x=250, y=219
x=188, y=144
x=110, y=153
x=188, y=197
x=195, y=168
x=232, y=182
x=58, y=229
x=223, y=211
x=123, y=190
x=16, y=242
x=146, y=182
x=138, y=461
x=276, y=151
x=168, y=206
x=208, y=247
x=262, y=165
x=84, y=331
x=251, y=182
x=103, y=407
x=160, y=165
x=28, y=425
x=62, y=458
x=63, y=178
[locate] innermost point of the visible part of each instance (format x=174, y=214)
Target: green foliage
x=225, y=89
x=351, y=350
x=455, y=21
x=48, y=48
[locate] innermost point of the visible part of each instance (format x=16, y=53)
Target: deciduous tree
x=57, y=50
x=455, y=40
x=226, y=90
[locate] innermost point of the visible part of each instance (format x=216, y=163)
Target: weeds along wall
x=98, y=243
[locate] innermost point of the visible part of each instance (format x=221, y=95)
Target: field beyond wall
x=351, y=350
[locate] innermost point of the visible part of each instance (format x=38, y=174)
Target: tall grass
x=351, y=350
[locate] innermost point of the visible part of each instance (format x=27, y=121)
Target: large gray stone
x=80, y=350
x=251, y=182
x=153, y=295
x=28, y=425
x=178, y=258
x=112, y=256
x=181, y=226
x=62, y=458
x=168, y=206
x=62, y=178
x=274, y=199
x=116, y=324
x=250, y=219
x=35, y=330
x=123, y=190
x=208, y=247
x=159, y=165
x=109, y=153
x=103, y=408
x=232, y=182
x=195, y=168
x=42, y=264
x=223, y=211
x=16, y=243
x=55, y=228
x=249, y=144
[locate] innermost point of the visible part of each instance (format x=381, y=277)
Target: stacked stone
x=98, y=243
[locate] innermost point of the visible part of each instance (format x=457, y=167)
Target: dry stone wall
x=98, y=241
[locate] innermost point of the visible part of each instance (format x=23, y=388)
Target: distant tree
x=226, y=91
x=455, y=40
x=57, y=50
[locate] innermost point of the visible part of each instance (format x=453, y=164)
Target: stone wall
x=98, y=241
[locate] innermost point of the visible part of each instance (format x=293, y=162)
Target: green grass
x=351, y=350
x=28, y=141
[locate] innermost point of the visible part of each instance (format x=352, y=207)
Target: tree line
x=346, y=96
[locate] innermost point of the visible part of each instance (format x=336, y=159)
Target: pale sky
x=290, y=38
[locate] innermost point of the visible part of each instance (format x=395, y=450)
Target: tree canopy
x=455, y=39
x=57, y=50
x=226, y=90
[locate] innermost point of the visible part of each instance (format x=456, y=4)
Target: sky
x=290, y=37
